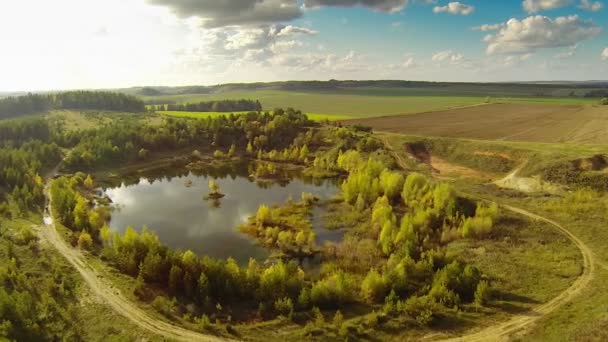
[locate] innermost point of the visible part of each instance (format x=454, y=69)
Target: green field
x=204, y=115
x=335, y=103
x=359, y=103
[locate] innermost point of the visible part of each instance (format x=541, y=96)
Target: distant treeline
x=597, y=93
x=35, y=103
x=214, y=106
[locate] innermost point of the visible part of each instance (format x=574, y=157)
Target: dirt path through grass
x=517, y=324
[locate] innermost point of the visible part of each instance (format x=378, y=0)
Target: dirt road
x=112, y=297
x=519, y=323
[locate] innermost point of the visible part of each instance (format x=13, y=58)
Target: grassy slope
x=585, y=318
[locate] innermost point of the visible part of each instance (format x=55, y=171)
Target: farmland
x=366, y=102
x=582, y=124
x=356, y=105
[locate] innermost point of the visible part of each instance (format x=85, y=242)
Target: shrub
x=422, y=309
x=283, y=306
x=85, y=241
x=164, y=305
x=483, y=293
x=374, y=286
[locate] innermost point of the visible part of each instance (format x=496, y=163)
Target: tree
x=143, y=153
x=483, y=293
x=214, y=187
x=264, y=215
x=373, y=287
x=304, y=153
x=85, y=241
x=338, y=320
x=88, y=182
x=176, y=279
x=81, y=213
x=204, y=289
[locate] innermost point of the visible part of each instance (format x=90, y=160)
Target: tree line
x=226, y=106
x=99, y=100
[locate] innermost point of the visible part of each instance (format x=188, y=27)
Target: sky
x=77, y=44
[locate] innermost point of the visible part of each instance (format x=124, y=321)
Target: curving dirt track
x=112, y=297
x=503, y=331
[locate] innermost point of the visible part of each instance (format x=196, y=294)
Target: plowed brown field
x=512, y=122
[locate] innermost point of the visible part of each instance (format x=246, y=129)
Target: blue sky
x=119, y=43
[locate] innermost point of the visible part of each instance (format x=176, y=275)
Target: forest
x=224, y=106
x=96, y=100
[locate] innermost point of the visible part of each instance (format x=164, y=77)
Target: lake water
x=173, y=207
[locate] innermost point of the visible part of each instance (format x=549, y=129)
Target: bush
x=374, y=286
x=422, y=309
x=483, y=293
x=25, y=236
x=284, y=306
x=85, y=241
x=164, y=305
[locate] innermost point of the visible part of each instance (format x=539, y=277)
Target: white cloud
x=588, y=5
x=455, y=8
x=538, y=32
x=515, y=60
x=448, y=56
x=289, y=30
x=234, y=12
x=488, y=27
x=534, y=6
x=605, y=54
x=567, y=54
x=390, y=6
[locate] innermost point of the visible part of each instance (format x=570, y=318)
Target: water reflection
x=173, y=207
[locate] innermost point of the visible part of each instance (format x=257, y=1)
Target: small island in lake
x=215, y=193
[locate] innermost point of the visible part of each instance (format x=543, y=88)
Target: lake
x=173, y=207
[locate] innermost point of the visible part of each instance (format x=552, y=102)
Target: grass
x=363, y=102
x=204, y=115
x=74, y=120
x=585, y=318
x=351, y=105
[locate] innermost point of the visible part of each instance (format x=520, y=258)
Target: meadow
x=367, y=102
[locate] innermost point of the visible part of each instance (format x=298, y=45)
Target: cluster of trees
x=122, y=142
x=26, y=150
x=285, y=228
x=75, y=211
x=409, y=222
x=36, y=103
x=203, y=281
x=295, y=154
x=225, y=106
